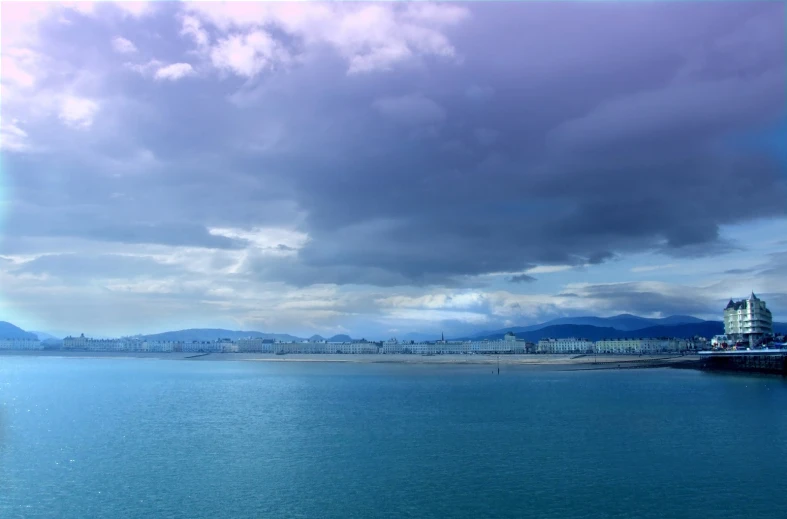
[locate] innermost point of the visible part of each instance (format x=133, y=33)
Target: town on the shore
x=748, y=326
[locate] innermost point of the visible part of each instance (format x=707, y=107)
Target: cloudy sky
x=376, y=169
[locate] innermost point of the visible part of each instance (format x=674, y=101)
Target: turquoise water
x=129, y=438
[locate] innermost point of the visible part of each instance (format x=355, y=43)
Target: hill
x=703, y=329
x=624, y=322
x=212, y=334
x=43, y=336
x=9, y=331
x=340, y=338
x=620, y=322
x=634, y=322
x=597, y=333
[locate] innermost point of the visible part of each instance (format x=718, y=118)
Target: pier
x=755, y=361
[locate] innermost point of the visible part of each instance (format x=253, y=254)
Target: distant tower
x=442, y=337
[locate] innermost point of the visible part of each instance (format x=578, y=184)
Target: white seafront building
x=619, y=346
x=508, y=345
x=203, y=347
x=83, y=343
x=748, y=319
x=613, y=346
x=566, y=345
x=443, y=347
x=393, y=346
x=163, y=346
x=642, y=346
x=21, y=344
x=351, y=348
x=125, y=344
x=354, y=348
x=255, y=345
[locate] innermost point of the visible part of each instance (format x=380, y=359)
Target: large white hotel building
x=748, y=319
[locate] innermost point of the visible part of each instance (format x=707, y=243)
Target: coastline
x=559, y=362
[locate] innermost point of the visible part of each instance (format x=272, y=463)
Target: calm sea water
x=82, y=438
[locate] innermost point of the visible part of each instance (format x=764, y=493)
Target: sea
x=146, y=438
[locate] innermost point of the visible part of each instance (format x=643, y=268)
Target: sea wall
x=774, y=364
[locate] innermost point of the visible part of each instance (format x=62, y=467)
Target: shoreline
x=563, y=362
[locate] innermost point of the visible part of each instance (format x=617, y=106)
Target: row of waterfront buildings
x=21, y=344
x=509, y=345
x=746, y=322
x=619, y=346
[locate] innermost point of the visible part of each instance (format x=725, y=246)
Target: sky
x=384, y=168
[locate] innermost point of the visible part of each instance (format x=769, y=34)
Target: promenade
x=566, y=361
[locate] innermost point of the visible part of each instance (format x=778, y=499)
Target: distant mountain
x=679, y=319
x=703, y=329
x=9, y=331
x=43, y=336
x=560, y=331
x=340, y=338
x=596, y=333
x=779, y=327
x=316, y=338
x=623, y=322
x=634, y=322
x=212, y=334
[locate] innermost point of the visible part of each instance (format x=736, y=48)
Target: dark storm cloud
x=521, y=278
x=632, y=157
x=297, y=273
x=566, y=134
x=643, y=299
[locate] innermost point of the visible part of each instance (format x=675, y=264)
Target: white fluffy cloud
x=370, y=37
x=157, y=70
x=192, y=28
x=146, y=69
x=12, y=137
x=123, y=46
x=20, y=67
x=78, y=112
x=248, y=54
x=174, y=72
x=136, y=9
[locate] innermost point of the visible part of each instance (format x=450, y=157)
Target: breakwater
x=754, y=361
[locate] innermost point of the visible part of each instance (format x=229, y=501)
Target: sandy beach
x=563, y=362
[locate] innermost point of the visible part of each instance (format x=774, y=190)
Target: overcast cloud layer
x=384, y=168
